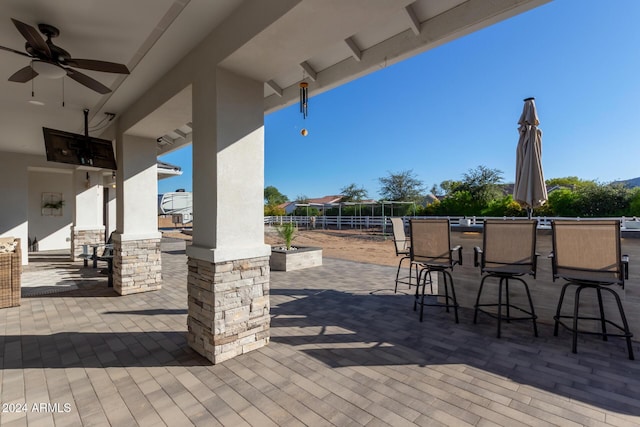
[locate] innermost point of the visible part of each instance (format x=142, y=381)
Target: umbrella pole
x=529, y=212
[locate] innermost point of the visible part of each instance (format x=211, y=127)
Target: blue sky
x=456, y=107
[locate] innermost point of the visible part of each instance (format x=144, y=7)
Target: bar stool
x=508, y=253
x=431, y=252
x=587, y=255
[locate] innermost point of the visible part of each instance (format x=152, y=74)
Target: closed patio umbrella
x=529, y=189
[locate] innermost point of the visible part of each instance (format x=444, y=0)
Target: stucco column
x=136, y=262
x=110, y=211
x=87, y=225
x=228, y=279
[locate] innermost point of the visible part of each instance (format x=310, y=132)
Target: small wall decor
x=52, y=204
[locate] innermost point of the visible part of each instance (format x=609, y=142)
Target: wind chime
x=304, y=103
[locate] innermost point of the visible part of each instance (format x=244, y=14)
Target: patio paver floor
x=344, y=350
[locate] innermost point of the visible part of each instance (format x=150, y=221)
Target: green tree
x=603, y=200
x=450, y=186
x=302, y=198
x=401, y=186
x=482, y=184
x=570, y=182
x=353, y=193
x=458, y=203
x=634, y=202
x=562, y=202
x=304, y=210
x=272, y=196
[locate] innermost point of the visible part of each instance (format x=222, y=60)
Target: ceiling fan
x=52, y=61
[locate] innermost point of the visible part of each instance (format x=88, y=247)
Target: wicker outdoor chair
x=431, y=252
x=10, y=272
x=401, y=244
x=587, y=255
x=508, y=253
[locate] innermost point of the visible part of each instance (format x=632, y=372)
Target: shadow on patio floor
x=344, y=329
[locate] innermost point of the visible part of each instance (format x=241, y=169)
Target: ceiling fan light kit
x=53, y=62
x=48, y=70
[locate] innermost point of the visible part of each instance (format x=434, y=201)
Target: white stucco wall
x=52, y=231
x=13, y=198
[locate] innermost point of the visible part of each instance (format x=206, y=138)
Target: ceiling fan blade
x=87, y=81
x=8, y=49
x=92, y=64
x=33, y=37
x=23, y=75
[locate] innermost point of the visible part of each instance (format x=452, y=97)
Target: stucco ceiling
x=328, y=42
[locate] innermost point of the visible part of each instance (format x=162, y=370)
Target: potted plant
x=287, y=257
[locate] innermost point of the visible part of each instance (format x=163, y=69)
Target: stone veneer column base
x=137, y=266
x=228, y=307
x=81, y=237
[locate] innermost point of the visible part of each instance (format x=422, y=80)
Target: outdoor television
x=66, y=147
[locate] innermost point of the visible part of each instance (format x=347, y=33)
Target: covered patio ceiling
x=327, y=42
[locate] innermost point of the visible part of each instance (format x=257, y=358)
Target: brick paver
x=344, y=350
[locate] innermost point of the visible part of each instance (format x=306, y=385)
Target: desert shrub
x=504, y=206
x=273, y=210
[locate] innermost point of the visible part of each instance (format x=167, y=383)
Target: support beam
x=413, y=20
x=180, y=133
x=464, y=19
x=274, y=87
x=355, y=50
x=309, y=70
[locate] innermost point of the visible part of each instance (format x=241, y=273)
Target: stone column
x=137, y=265
x=87, y=225
x=228, y=279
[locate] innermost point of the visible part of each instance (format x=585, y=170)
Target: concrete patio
x=344, y=350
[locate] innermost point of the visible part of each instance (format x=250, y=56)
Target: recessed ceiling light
x=35, y=102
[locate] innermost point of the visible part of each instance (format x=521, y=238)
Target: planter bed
x=295, y=259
